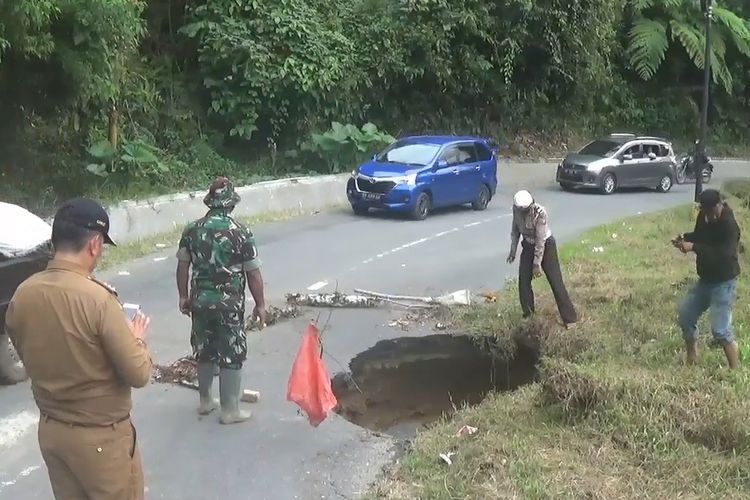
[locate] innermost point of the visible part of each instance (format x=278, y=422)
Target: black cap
x=709, y=198
x=86, y=213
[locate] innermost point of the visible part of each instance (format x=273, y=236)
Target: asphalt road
x=278, y=455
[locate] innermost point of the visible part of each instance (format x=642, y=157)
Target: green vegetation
x=616, y=413
x=124, y=98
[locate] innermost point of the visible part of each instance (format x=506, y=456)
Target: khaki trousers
x=92, y=463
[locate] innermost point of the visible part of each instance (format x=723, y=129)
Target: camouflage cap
x=221, y=194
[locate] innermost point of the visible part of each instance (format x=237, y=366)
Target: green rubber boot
x=230, y=389
x=205, y=383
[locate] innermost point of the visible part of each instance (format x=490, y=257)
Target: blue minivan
x=416, y=174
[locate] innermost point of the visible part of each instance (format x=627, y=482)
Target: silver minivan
x=620, y=161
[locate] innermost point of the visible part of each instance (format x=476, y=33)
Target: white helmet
x=523, y=199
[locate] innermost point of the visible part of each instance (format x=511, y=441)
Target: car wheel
x=482, y=199
x=421, y=207
x=11, y=368
x=360, y=210
x=609, y=184
x=706, y=176
x=665, y=184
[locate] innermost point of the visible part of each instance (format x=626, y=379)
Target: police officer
x=83, y=355
x=223, y=255
x=538, y=253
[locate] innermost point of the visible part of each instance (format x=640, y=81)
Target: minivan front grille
x=572, y=176
x=374, y=186
x=574, y=166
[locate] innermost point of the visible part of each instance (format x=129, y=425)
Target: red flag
x=309, y=384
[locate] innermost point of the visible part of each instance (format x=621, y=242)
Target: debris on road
x=433, y=316
x=368, y=299
x=466, y=430
x=335, y=299
x=183, y=372
x=402, y=323
x=447, y=457
x=273, y=315
x=459, y=297
x=249, y=396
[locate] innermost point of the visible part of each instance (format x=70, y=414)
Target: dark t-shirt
x=716, y=245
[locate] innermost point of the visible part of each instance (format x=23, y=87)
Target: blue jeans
x=719, y=297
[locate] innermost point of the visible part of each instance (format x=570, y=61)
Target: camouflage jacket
x=220, y=250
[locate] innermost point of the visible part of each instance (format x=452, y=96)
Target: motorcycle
x=686, y=169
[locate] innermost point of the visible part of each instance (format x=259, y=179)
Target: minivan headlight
x=409, y=180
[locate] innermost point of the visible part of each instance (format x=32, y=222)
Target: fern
x=736, y=27
x=718, y=45
x=641, y=5
x=647, y=48
x=720, y=71
x=681, y=21
x=694, y=42
x=691, y=38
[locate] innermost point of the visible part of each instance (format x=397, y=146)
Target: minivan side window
x=650, y=148
x=483, y=154
x=635, y=151
x=460, y=154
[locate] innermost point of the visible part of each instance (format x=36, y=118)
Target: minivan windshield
x=605, y=149
x=409, y=153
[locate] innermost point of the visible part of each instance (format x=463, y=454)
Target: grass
x=157, y=243
x=616, y=413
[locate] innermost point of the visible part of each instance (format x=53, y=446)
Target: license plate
x=371, y=196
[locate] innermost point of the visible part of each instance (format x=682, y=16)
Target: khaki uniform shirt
x=534, y=227
x=72, y=335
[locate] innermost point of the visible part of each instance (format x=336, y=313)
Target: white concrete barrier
x=133, y=220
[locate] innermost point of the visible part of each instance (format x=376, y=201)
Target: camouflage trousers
x=219, y=337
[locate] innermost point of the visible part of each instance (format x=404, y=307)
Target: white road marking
x=317, y=286
x=15, y=427
x=123, y=273
x=432, y=237
x=24, y=473
x=443, y=233
x=160, y=259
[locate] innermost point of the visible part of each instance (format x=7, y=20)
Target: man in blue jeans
x=715, y=241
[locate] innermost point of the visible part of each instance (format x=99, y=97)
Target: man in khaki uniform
x=83, y=356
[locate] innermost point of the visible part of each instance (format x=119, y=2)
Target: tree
x=269, y=64
x=657, y=24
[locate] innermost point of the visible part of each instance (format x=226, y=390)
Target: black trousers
x=551, y=268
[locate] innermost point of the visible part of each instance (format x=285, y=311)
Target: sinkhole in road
x=400, y=385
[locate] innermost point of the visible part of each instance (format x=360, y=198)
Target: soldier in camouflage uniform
x=223, y=255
